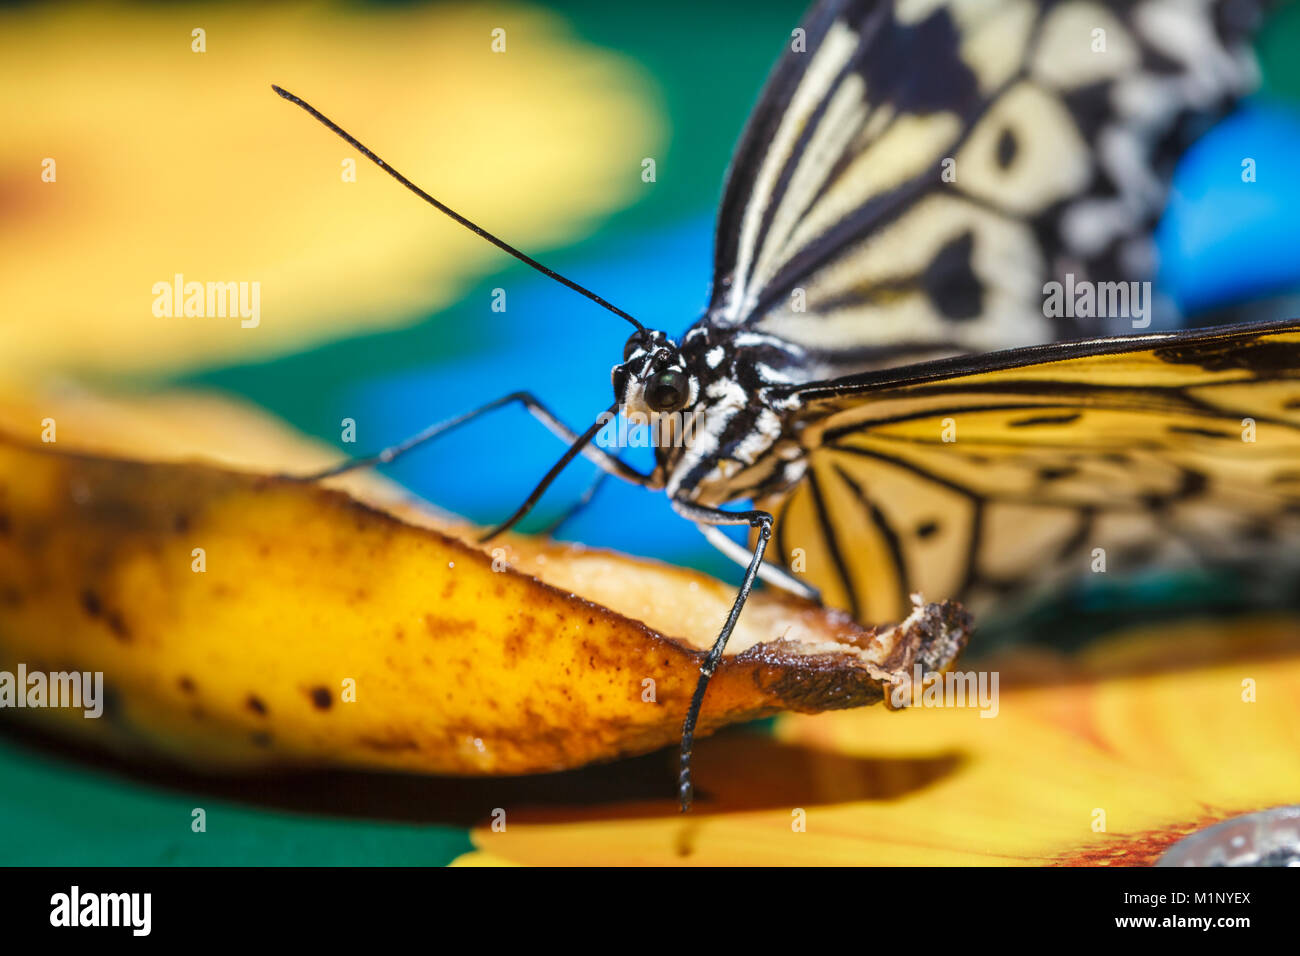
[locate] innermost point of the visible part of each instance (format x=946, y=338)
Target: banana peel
x=245, y=619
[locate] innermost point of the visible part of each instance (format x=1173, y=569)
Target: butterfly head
x=653, y=377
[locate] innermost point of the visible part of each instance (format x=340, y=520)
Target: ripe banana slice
x=241, y=619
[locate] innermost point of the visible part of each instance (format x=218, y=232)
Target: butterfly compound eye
x=666, y=391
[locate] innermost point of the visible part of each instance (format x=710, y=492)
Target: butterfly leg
x=577, y=507
x=769, y=572
x=762, y=522
x=607, y=462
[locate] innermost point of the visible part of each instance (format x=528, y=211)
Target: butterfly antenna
x=448, y=211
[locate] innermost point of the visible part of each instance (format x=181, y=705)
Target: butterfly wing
x=981, y=478
x=916, y=170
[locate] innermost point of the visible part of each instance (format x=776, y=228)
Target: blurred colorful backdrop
x=143, y=141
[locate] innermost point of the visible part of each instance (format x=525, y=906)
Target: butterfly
x=918, y=369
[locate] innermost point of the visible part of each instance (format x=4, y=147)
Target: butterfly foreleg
x=602, y=459
x=761, y=521
x=580, y=445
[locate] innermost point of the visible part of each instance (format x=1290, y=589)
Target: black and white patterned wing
x=917, y=170
x=982, y=478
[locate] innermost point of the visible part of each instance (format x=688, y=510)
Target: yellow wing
x=985, y=478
